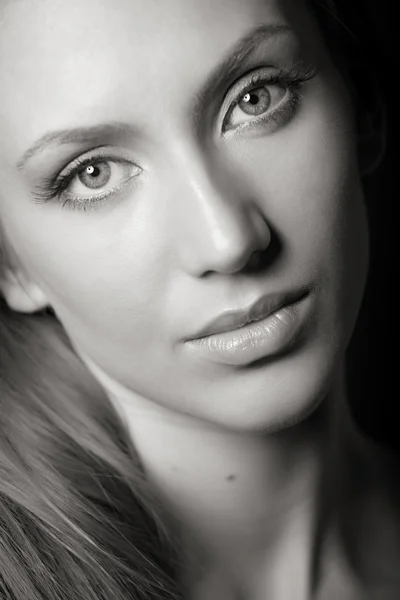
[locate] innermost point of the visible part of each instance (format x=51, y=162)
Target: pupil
x=93, y=171
x=256, y=101
x=96, y=176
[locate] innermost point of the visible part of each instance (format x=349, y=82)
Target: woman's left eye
x=258, y=102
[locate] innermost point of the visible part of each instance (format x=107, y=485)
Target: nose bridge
x=221, y=226
x=217, y=202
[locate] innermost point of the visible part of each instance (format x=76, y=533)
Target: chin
x=274, y=396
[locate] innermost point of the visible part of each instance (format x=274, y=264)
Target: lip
x=272, y=325
x=231, y=320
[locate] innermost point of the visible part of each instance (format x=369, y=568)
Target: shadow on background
x=372, y=355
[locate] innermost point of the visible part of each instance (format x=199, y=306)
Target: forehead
x=64, y=63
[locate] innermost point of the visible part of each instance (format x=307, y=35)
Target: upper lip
x=229, y=320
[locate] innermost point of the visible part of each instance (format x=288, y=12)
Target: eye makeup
x=57, y=188
x=269, y=80
x=280, y=87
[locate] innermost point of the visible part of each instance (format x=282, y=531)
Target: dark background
x=373, y=366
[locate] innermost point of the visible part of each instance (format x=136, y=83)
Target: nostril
x=255, y=259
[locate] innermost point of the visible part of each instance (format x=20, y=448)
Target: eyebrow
x=230, y=67
x=77, y=135
x=223, y=72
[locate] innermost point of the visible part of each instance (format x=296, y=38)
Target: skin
x=133, y=277
x=130, y=280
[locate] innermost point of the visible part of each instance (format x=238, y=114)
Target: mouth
x=231, y=320
x=269, y=327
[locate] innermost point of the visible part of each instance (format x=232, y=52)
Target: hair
x=78, y=519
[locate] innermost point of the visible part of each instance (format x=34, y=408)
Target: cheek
x=98, y=270
x=307, y=183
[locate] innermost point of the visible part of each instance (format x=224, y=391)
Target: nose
x=221, y=228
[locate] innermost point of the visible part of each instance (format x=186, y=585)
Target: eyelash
x=293, y=79
x=52, y=189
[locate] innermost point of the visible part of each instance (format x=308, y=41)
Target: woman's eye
x=259, y=101
x=100, y=177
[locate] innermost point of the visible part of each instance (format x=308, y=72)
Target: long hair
x=78, y=520
x=77, y=517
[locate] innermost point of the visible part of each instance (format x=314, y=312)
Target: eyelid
x=95, y=155
x=238, y=88
x=55, y=186
x=263, y=75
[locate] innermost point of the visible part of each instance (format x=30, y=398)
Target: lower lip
x=257, y=340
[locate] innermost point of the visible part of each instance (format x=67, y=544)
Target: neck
x=245, y=500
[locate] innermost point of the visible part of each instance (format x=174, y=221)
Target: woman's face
x=165, y=162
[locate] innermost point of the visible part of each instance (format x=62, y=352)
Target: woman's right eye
x=100, y=177
x=88, y=182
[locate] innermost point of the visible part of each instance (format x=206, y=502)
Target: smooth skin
x=210, y=207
